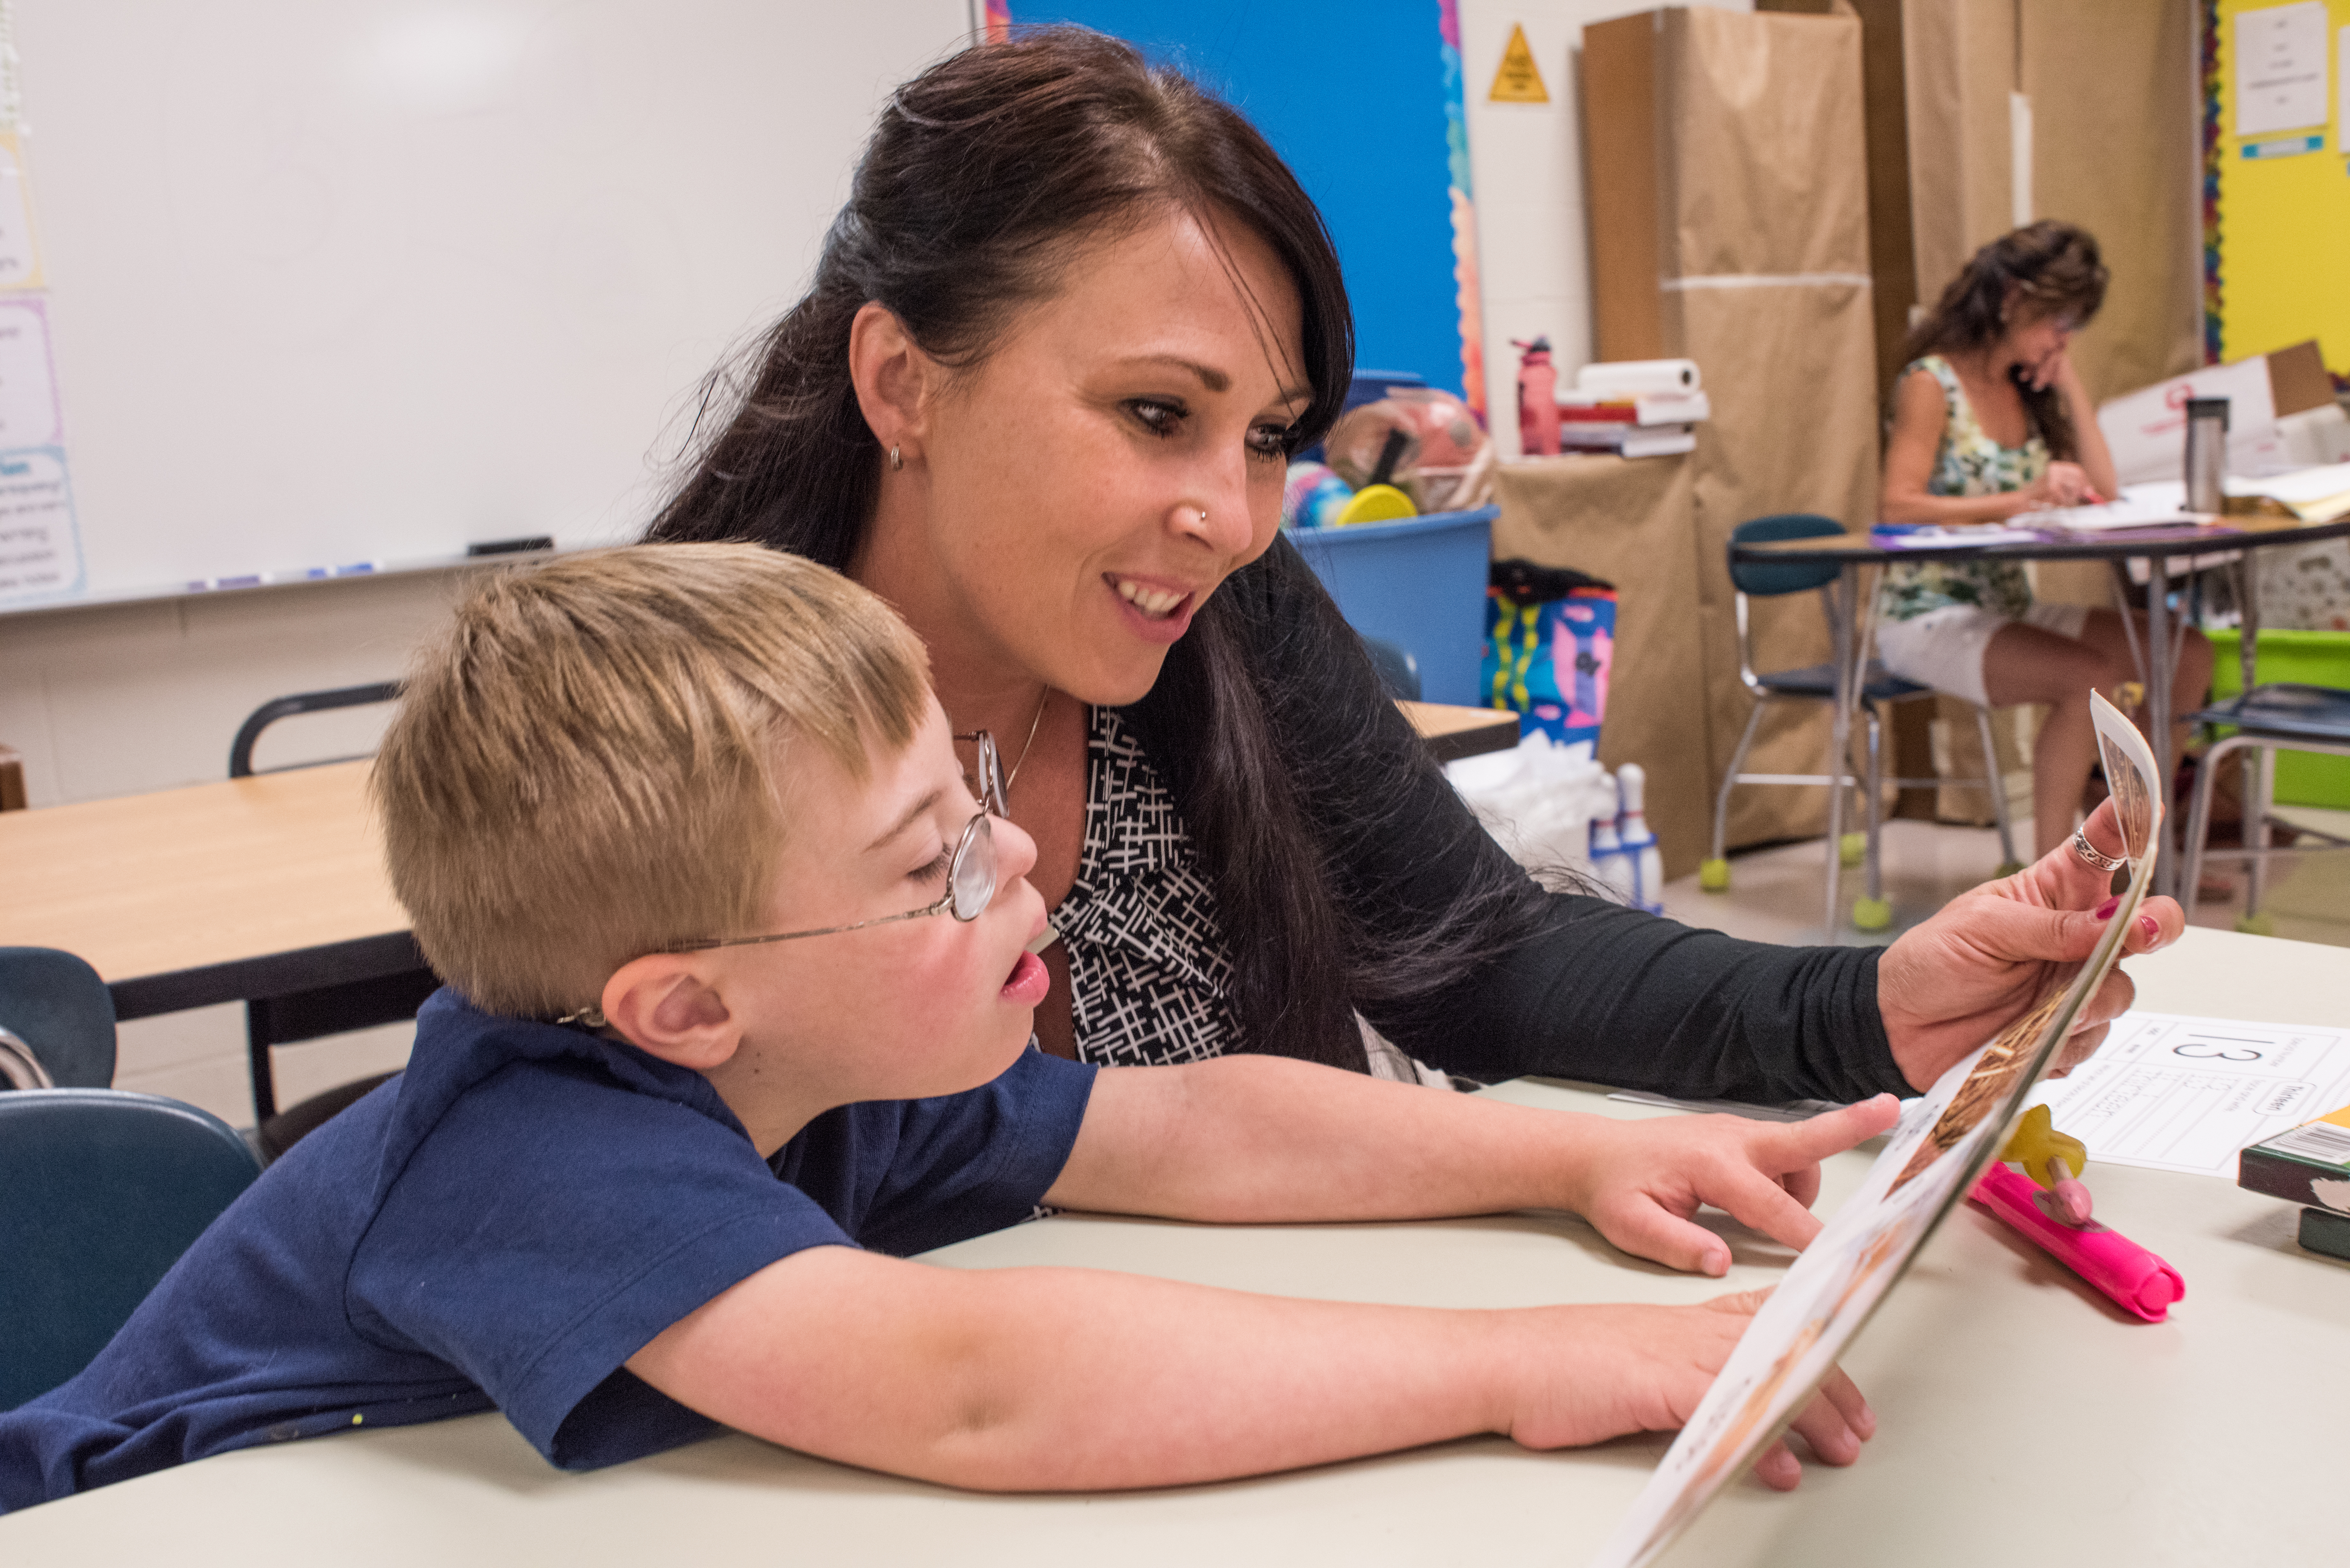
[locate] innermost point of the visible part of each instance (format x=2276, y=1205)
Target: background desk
x=1854, y=553
x=220, y=892
x=2021, y=1416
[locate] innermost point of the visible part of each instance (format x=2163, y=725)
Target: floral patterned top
x=1968, y=463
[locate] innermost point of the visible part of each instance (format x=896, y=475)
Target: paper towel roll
x=1637, y=377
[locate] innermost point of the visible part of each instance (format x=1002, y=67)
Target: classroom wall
x=1534, y=252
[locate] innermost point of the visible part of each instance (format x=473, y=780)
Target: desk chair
x=1398, y=671
x=240, y=750
x=57, y=1021
x=1817, y=683
x=100, y=1191
x=2266, y=719
x=326, y=1010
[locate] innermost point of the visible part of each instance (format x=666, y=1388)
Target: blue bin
x=1420, y=583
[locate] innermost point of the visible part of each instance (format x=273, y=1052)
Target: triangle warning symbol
x=1518, y=80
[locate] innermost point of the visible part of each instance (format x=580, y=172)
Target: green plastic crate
x=2304, y=659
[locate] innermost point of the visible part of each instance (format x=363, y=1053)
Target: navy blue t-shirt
x=505, y=1224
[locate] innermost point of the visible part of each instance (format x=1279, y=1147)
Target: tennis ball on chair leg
x=1871, y=914
x=2261, y=925
x=1852, y=849
x=1713, y=876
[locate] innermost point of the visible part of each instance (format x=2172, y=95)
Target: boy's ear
x=663, y=1003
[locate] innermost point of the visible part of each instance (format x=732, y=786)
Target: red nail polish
x=2151, y=927
x=2106, y=910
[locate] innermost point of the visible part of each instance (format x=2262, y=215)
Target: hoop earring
x=896, y=463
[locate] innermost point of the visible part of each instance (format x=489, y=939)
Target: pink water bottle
x=1537, y=398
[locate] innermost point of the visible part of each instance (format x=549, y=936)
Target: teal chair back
x=1763, y=580
x=59, y=1007
x=100, y=1191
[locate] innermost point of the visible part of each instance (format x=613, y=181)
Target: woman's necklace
x=1028, y=745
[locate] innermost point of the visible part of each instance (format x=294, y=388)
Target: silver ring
x=2093, y=855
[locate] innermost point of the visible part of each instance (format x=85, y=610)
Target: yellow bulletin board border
x=2276, y=209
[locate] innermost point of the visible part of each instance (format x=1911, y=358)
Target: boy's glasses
x=994, y=787
x=970, y=888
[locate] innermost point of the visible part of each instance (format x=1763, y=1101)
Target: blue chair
x=2267, y=719
x=55, y=1006
x=100, y=1191
x=1817, y=683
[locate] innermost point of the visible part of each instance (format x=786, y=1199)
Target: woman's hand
x=1645, y=1368
x=1948, y=985
x=2064, y=484
x=1643, y=1182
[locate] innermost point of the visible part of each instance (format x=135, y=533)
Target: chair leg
x=2256, y=835
x=2198, y=824
x=256, y=1047
x=1871, y=912
x=1996, y=782
x=1715, y=875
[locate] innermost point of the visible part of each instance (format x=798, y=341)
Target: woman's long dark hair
x=2045, y=269
x=984, y=175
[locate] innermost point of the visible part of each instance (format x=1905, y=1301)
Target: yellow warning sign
x=1518, y=80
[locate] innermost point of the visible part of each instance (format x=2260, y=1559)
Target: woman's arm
x=1070, y=1379
x=2096, y=460
x=1565, y=985
x=1920, y=414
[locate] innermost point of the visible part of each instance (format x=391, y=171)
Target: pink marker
x=2134, y=1278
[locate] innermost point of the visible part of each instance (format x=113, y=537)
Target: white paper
x=19, y=263
x=2147, y=429
x=2301, y=488
x=2280, y=67
x=2171, y=1093
x=2126, y=512
x=40, y=545
x=29, y=391
x=1929, y=1166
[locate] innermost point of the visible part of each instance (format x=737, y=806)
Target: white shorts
x=1944, y=648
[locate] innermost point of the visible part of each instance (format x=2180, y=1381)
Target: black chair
x=326, y=1010
x=240, y=750
x=2266, y=719
x=100, y=1191
x=1398, y=671
x=1817, y=683
x=56, y=1022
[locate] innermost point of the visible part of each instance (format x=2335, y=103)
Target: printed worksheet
x=2185, y=1093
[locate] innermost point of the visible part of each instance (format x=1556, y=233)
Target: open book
x=1931, y=1161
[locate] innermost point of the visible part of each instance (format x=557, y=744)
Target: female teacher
x=1062, y=341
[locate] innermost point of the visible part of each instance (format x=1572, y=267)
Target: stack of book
x=2310, y=1166
x=1655, y=424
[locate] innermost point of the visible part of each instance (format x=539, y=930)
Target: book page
x=1931, y=1159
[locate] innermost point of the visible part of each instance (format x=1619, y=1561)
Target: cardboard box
x=2147, y=429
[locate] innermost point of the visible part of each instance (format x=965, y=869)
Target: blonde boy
x=737, y=1016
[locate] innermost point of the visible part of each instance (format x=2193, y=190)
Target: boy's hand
x=1642, y=1181
x=1644, y=1370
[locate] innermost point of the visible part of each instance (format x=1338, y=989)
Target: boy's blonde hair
x=585, y=766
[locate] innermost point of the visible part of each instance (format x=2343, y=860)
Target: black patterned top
x=1149, y=970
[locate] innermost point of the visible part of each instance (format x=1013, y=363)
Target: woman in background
x=1990, y=419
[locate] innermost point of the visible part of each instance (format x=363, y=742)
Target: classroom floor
x=1774, y=893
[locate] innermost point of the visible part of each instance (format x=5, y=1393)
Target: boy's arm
x=1063, y=1379
x=1267, y=1139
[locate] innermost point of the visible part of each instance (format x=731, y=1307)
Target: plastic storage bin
x=1418, y=583
x=2306, y=659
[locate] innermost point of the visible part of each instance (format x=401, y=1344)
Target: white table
x=2014, y=1401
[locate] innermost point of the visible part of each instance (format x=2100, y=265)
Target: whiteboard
x=361, y=281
